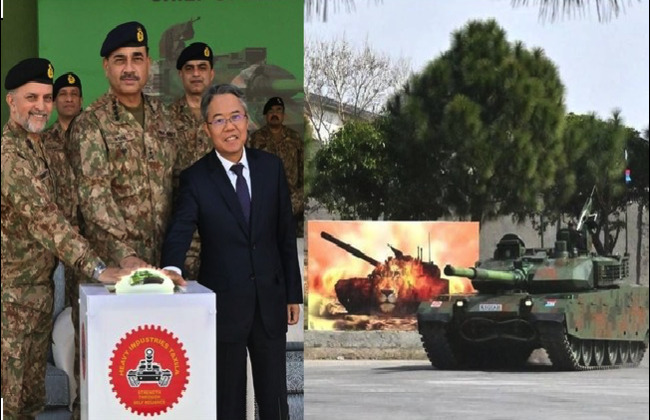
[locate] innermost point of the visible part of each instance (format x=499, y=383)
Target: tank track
x=438, y=348
x=446, y=351
x=558, y=345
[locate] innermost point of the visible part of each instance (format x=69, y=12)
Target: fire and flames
x=345, y=286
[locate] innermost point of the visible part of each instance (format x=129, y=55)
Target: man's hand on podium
x=112, y=275
x=176, y=278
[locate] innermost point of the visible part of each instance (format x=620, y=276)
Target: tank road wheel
x=642, y=346
x=636, y=352
x=599, y=353
x=611, y=351
x=574, y=347
x=586, y=352
x=563, y=349
x=624, y=351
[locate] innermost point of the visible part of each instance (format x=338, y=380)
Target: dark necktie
x=242, y=190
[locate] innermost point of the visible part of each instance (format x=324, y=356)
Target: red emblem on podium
x=149, y=370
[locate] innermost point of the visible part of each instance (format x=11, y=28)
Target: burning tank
x=578, y=306
x=395, y=287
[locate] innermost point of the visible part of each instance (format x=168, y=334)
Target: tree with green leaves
x=476, y=134
x=352, y=172
x=311, y=147
x=639, y=188
x=564, y=188
x=596, y=157
x=637, y=158
x=566, y=197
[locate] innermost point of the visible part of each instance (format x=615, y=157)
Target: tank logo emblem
x=490, y=307
x=149, y=370
x=550, y=303
x=436, y=304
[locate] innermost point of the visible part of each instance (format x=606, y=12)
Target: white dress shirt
x=231, y=175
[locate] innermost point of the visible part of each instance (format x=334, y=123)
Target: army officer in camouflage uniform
x=122, y=150
x=286, y=143
x=34, y=233
x=67, y=98
x=195, y=68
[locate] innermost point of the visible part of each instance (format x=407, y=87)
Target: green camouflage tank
x=579, y=307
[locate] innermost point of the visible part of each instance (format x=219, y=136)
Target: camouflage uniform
x=192, y=143
x=56, y=144
x=54, y=140
x=34, y=233
x=124, y=176
x=289, y=147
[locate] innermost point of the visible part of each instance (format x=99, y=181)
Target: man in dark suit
x=248, y=254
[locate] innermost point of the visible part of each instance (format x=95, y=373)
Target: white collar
x=228, y=164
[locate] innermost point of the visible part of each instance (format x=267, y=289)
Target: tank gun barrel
x=349, y=248
x=472, y=273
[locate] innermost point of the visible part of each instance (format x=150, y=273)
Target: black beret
x=37, y=70
x=129, y=34
x=276, y=100
x=67, y=80
x=195, y=51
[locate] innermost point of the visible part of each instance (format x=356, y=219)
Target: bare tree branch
x=353, y=81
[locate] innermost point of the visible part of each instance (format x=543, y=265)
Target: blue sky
x=603, y=65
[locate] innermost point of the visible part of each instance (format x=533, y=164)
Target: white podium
x=148, y=355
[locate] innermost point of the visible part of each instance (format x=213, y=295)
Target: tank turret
x=577, y=305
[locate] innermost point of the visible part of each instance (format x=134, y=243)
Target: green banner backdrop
x=258, y=44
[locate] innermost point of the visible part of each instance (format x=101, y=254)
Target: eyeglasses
x=234, y=119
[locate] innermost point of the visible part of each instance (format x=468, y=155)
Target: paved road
x=403, y=389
